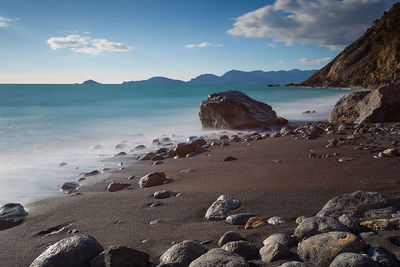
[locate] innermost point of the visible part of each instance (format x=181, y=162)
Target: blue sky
x=113, y=41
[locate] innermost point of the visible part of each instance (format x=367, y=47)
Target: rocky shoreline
x=329, y=226
x=174, y=190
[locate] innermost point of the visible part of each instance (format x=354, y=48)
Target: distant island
x=237, y=77
x=90, y=82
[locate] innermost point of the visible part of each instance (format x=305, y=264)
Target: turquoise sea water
x=44, y=125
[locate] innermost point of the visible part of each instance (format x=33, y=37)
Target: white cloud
x=84, y=44
x=4, y=22
x=329, y=23
x=104, y=45
x=73, y=40
x=203, y=45
x=87, y=50
x=317, y=61
x=281, y=62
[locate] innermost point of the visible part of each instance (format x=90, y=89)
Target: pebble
x=185, y=170
x=230, y=158
x=154, y=222
x=155, y=204
x=344, y=159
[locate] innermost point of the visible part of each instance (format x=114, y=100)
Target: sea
x=48, y=131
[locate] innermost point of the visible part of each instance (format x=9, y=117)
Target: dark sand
x=297, y=186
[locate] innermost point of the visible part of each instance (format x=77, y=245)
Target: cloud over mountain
x=329, y=23
x=87, y=45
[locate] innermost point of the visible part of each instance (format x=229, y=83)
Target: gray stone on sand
x=98, y=261
x=359, y=205
x=239, y=219
x=183, y=253
x=354, y=260
x=242, y=248
x=276, y=220
x=116, y=186
x=293, y=264
x=274, y=252
x=152, y=179
x=318, y=225
x=75, y=251
x=321, y=249
x=182, y=149
x=124, y=256
x=280, y=238
x=162, y=194
x=229, y=237
x=383, y=257
x=349, y=223
x=217, y=210
x=218, y=257
x=11, y=214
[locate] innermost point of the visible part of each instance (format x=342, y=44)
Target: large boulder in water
x=379, y=105
x=11, y=214
x=235, y=110
x=72, y=251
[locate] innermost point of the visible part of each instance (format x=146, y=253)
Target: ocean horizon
x=45, y=125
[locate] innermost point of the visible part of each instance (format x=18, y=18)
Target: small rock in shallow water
x=69, y=185
x=185, y=170
x=62, y=164
x=92, y=173
x=154, y=222
x=131, y=177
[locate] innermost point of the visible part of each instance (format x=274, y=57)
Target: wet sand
x=297, y=186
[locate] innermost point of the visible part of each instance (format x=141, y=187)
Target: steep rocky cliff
x=370, y=62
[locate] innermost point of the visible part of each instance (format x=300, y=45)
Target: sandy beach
x=271, y=177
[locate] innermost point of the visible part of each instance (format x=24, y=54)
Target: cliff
x=370, y=62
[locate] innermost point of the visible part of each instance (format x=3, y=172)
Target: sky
x=69, y=41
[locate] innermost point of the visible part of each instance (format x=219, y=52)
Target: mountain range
x=238, y=77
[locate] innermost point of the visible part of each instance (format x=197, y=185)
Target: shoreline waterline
x=41, y=128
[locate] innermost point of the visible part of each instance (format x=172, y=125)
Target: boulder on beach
x=359, y=205
x=75, y=251
x=152, y=179
x=354, y=260
x=235, y=110
x=219, y=257
x=318, y=225
x=229, y=237
x=125, y=256
x=224, y=203
x=242, y=248
x=183, y=253
x=321, y=249
x=11, y=214
x=379, y=105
